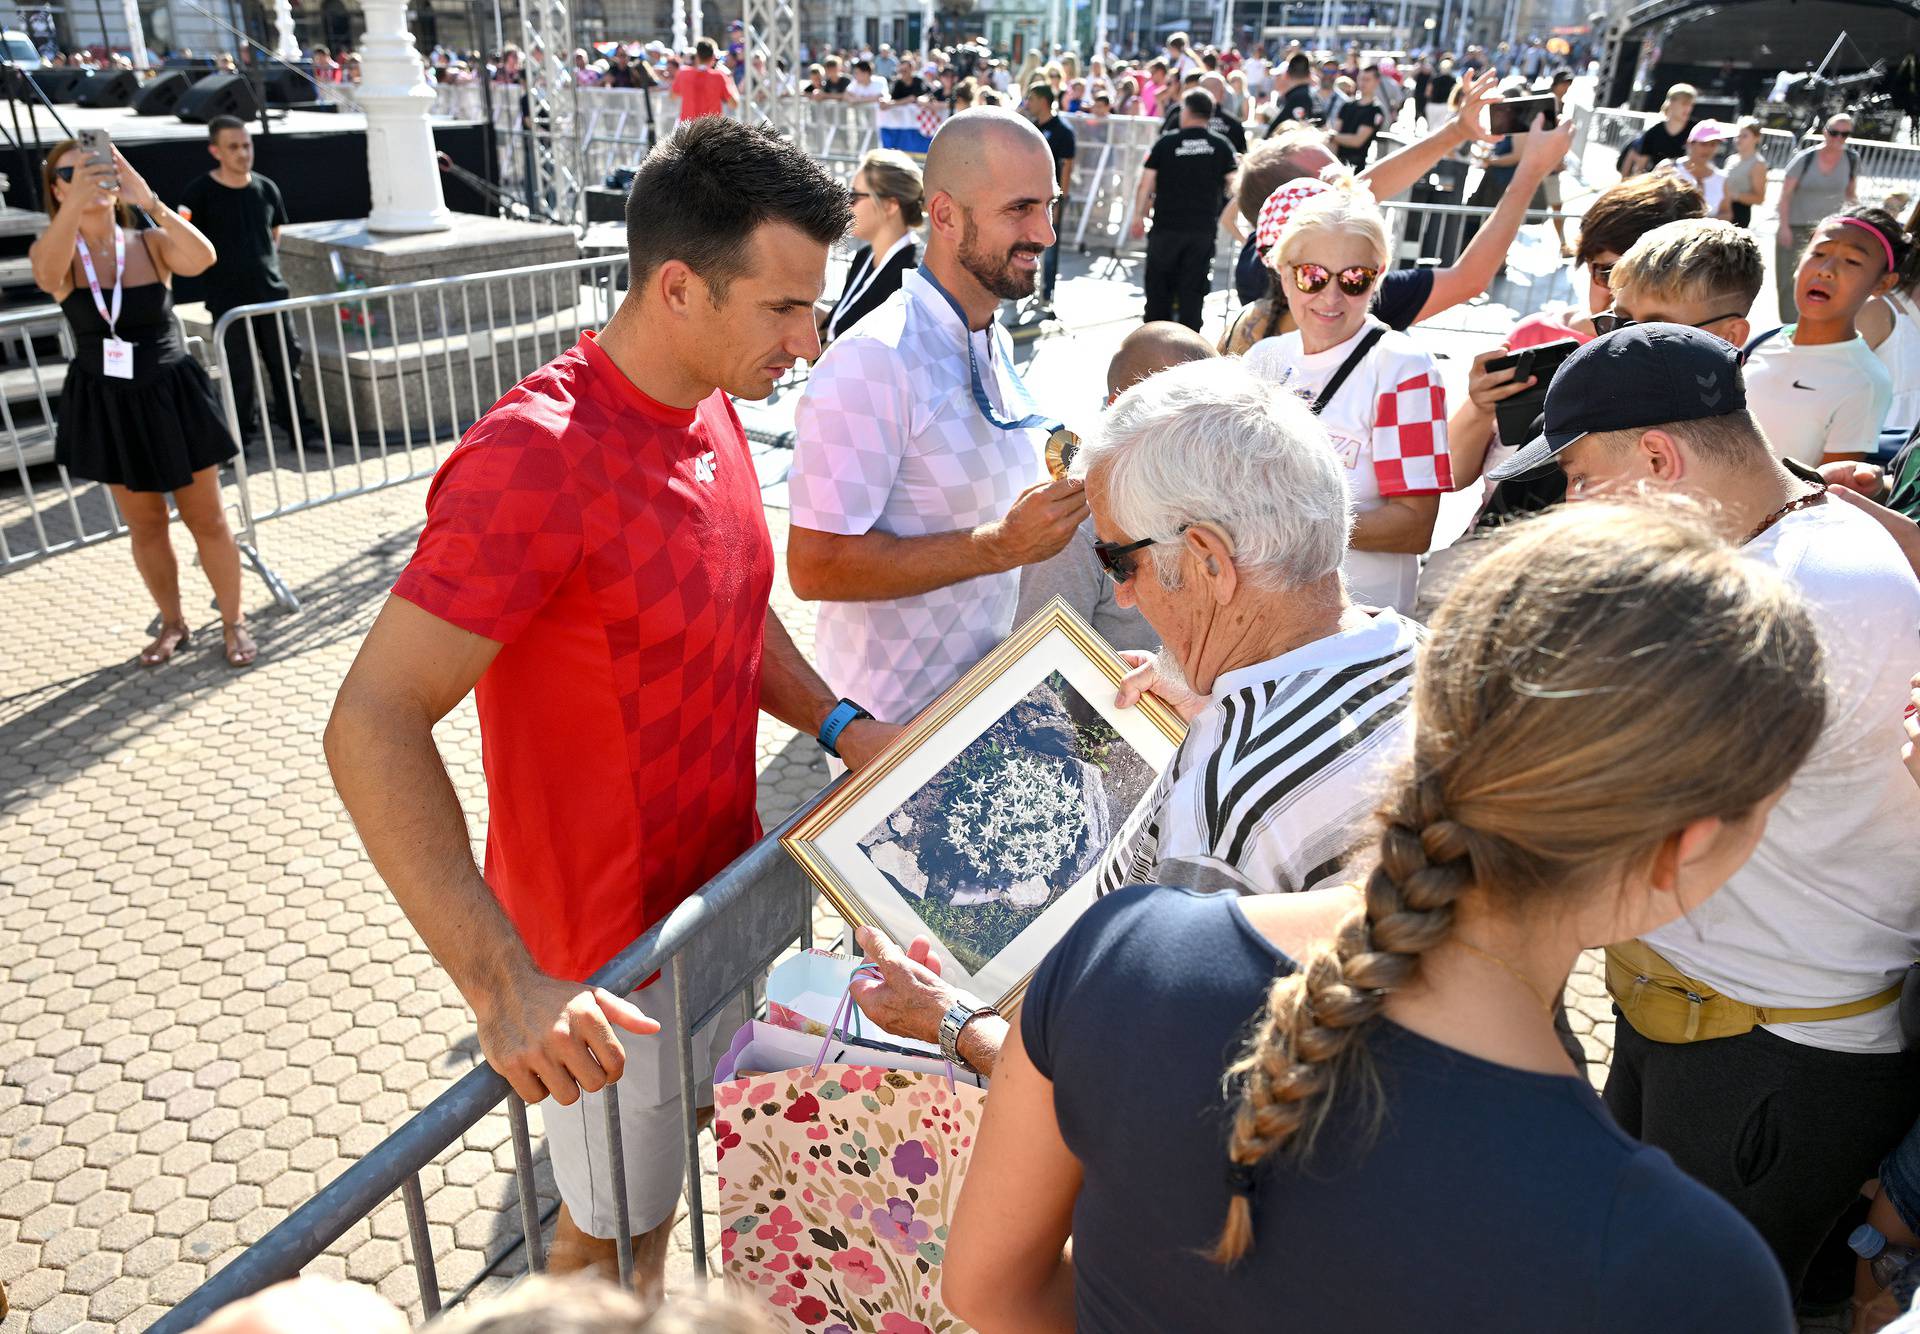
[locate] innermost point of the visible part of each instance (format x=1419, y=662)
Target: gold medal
x=1062, y=445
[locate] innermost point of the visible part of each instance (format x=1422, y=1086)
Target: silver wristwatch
x=953, y=1023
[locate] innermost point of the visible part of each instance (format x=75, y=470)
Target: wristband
x=843, y=713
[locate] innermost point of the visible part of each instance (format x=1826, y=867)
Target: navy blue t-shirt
x=1397, y=301
x=1490, y=1200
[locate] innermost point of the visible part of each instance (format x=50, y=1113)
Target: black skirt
x=149, y=434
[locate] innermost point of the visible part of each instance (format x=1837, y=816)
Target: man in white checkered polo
x=912, y=512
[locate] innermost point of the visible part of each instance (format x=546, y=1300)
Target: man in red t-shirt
x=703, y=90
x=596, y=567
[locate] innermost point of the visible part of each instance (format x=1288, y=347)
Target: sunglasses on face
x=1356, y=280
x=64, y=173
x=1608, y=320
x=1602, y=273
x=1120, y=560
x=1839, y=134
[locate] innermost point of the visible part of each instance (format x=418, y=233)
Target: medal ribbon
x=980, y=399
x=119, y=278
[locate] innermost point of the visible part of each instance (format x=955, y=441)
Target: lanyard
x=980, y=398
x=858, y=283
x=119, y=279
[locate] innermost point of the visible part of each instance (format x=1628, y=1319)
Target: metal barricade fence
x=392, y=376
x=1884, y=167
x=36, y=523
x=1438, y=234
x=717, y=944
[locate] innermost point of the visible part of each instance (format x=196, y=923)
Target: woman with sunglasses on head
x=1819, y=182
x=1604, y=713
x=137, y=413
x=887, y=206
x=1377, y=391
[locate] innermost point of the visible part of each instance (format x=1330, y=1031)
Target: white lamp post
x=679, y=26
x=401, y=168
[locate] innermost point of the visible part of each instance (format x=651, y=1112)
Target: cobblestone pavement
x=211, y=1004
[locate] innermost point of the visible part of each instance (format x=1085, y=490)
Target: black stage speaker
x=160, y=95
x=109, y=88
x=218, y=95
x=62, y=84
x=289, y=87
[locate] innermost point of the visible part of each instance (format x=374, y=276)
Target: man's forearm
x=1395, y=174
x=833, y=567
x=790, y=689
x=394, y=785
x=1474, y=271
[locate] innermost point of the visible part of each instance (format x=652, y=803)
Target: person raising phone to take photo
x=137, y=413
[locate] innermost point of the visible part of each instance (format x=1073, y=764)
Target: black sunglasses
x=1606, y=321
x=1839, y=134
x=64, y=173
x=1118, y=560
x=1602, y=273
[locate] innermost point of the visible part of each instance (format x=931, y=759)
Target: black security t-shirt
x=240, y=224
x=1060, y=141
x=1486, y=1200
x=1295, y=108
x=1440, y=88
x=1357, y=115
x=1225, y=126
x=1191, y=167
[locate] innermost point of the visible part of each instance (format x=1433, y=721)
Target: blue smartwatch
x=843, y=713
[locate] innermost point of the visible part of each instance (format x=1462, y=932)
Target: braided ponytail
x=1604, y=676
x=1305, y=1046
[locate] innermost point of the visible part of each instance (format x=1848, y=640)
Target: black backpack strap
x=1354, y=358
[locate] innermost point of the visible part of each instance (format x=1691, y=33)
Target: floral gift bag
x=837, y=1188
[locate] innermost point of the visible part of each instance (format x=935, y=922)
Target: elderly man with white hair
x=1222, y=513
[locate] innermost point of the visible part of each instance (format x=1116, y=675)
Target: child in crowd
x=1816, y=386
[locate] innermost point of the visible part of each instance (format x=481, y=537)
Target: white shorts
x=653, y=1130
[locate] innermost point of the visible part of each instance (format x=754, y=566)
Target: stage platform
x=317, y=158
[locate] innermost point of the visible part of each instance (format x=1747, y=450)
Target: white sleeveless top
x=1900, y=354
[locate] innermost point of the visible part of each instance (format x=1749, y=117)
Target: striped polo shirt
x=1274, y=787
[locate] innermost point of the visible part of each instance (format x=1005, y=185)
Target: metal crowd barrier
x=1437, y=235
x=35, y=346
x=1884, y=167
x=394, y=375
x=718, y=944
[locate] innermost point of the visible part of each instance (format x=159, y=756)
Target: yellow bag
x=1665, y=1005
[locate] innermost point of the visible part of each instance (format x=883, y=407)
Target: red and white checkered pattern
x=1410, y=438
x=930, y=117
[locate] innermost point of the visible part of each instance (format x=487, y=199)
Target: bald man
x=917, y=491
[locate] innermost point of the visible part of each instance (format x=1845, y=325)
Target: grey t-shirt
x=1817, y=194
x=1074, y=575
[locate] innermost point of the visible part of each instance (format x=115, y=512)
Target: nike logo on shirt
x=1809, y=388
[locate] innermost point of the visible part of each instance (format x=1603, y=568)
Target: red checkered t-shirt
x=617, y=550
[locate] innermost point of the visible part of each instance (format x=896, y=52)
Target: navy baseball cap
x=1637, y=376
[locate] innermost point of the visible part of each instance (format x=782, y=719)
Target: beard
x=1167, y=668
x=996, y=272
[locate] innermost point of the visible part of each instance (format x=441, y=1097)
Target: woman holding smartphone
x=137, y=413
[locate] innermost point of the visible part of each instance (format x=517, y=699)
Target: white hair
x=1211, y=442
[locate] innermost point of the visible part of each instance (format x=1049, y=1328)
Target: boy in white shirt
x=1816, y=386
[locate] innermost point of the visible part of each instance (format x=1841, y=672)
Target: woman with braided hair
x=1605, y=712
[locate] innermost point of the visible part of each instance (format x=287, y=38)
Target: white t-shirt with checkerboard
x=1387, y=423
x=889, y=439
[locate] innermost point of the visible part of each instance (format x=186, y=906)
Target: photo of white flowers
x=1013, y=821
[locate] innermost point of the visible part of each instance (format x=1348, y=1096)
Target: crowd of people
x=1662, y=699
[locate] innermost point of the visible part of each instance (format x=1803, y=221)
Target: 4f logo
x=703, y=467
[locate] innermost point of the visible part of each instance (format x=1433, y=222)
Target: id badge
x=116, y=358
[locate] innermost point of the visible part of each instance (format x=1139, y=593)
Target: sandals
x=170, y=639
x=241, y=650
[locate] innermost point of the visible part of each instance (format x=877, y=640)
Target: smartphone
x=1515, y=115
x=98, y=148
x=1516, y=415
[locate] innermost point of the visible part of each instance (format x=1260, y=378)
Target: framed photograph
x=981, y=827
